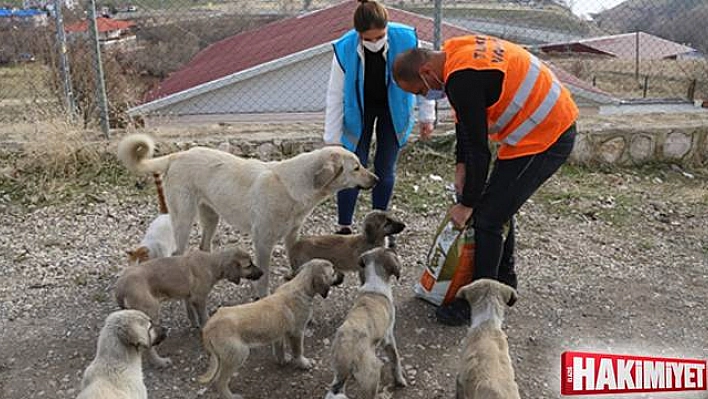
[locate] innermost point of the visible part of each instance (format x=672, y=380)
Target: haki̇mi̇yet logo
x=584, y=373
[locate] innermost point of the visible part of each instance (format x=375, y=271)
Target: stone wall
x=621, y=140
x=630, y=142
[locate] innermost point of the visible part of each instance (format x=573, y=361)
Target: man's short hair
x=406, y=67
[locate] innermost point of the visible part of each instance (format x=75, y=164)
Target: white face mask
x=376, y=46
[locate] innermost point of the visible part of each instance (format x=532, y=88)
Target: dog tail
x=135, y=152
x=160, y=194
x=214, y=365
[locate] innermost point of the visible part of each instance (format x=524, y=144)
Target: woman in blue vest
x=362, y=93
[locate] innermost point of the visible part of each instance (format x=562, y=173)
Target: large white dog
x=270, y=200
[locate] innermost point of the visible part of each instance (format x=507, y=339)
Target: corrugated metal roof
x=624, y=46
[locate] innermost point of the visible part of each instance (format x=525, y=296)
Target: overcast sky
x=584, y=7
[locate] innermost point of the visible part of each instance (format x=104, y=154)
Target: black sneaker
x=455, y=313
x=345, y=231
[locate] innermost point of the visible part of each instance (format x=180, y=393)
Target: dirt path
x=614, y=260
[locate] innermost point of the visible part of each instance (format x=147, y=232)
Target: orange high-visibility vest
x=534, y=108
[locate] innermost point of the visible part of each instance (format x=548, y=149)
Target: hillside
x=679, y=20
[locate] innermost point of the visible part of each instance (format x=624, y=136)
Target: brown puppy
x=232, y=331
x=485, y=370
x=344, y=250
x=189, y=277
x=369, y=324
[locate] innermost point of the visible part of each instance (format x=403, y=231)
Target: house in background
x=281, y=67
x=12, y=16
x=112, y=33
x=624, y=46
x=47, y=4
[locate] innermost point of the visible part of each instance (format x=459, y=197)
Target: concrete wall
x=296, y=88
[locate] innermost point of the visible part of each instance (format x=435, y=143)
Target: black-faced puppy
x=269, y=200
x=485, y=370
x=190, y=277
x=116, y=372
x=344, y=250
x=368, y=325
x=232, y=331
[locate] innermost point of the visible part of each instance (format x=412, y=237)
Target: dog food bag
x=449, y=264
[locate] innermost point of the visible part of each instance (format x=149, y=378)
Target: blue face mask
x=433, y=94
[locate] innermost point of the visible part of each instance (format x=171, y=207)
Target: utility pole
x=100, y=80
x=64, y=61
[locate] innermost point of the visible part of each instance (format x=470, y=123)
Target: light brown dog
x=344, y=250
x=189, y=277
x=369, y=324
x=232, y=331
x=268, y=200
x=485, y=370
x=116, y=372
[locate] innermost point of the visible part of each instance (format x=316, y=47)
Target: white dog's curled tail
x=135, y=152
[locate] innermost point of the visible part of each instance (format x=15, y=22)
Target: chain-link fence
x=165, y=59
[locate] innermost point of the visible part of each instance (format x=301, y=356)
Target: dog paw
x=162, y=363
x=303, y=363
x=400, y=380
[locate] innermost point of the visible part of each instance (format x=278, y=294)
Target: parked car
x=26, y=57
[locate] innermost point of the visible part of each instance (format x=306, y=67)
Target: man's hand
x=459, y=215
x=426, y=130
x=459, y=178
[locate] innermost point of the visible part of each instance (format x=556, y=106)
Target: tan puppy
x=344, y=250
x=369, y=324
x=116, y=372
x=190, y=277
x=269, y=200
x=485, y=370
x=232, y=331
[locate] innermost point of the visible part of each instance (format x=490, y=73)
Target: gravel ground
x=609, y=260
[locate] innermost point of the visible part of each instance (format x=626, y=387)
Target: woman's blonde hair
x=370, y=15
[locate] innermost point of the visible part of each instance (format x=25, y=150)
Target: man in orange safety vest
x=502, y=92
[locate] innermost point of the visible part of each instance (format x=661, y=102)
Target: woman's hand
x=426, y=130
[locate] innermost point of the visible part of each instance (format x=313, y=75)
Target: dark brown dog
x=344, y=250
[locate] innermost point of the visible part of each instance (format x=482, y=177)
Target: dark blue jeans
x=384, y=163
x=510, y=184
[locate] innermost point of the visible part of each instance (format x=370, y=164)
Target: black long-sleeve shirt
x=470, y=93
x=375, y=89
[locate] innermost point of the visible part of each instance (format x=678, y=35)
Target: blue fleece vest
x=400, y=103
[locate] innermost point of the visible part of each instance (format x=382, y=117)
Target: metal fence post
x=63, y=61
x=437, y=19
x=100, y=81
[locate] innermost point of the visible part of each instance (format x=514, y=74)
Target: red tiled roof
x=624, y=46
x=103, y=24
x=279, y=39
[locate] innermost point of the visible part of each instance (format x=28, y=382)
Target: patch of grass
x=62, y=164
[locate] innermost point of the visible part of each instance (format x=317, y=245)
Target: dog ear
x=511, y=296
x=392, y=264
x=321, y=283
x=465, y=293
x=330, y=170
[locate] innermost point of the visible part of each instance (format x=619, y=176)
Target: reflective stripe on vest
x=538, y=115
x=522, y=94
